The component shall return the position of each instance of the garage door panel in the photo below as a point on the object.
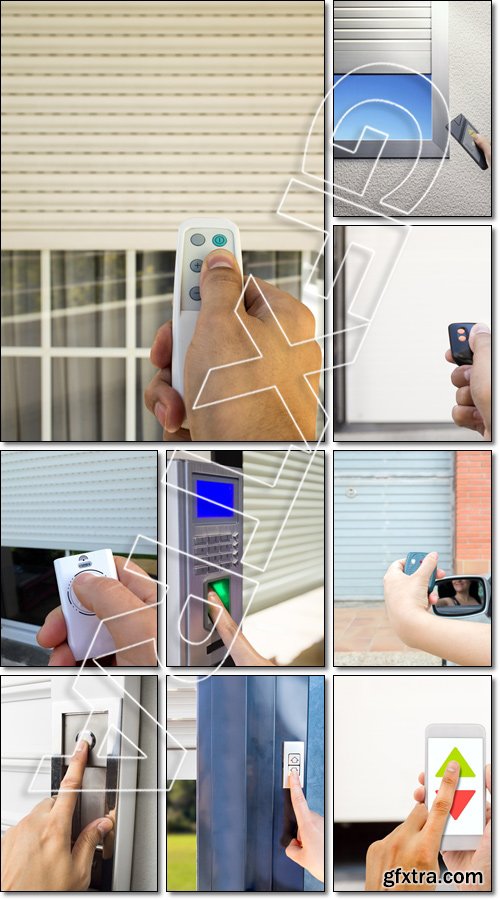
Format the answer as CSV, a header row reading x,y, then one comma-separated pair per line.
x,y
379,519
440,269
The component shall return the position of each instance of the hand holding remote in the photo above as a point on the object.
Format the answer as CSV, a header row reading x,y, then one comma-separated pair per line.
x,y
473,383
257,411
106,597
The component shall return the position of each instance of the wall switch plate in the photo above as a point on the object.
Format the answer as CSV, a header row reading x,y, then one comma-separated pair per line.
x,y
293,760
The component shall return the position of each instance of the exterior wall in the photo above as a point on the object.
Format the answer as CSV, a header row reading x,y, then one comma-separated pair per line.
x,y
473,512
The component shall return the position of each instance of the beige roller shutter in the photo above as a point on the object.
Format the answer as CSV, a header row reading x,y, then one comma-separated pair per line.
x,y
296,564
79,499
122,119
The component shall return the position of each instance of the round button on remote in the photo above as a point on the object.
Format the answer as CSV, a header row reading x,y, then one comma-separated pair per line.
x,y
197,239
73,599
194,293
195,265
220,240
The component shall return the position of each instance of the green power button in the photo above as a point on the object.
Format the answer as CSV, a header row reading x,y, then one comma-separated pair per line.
x,y
219,240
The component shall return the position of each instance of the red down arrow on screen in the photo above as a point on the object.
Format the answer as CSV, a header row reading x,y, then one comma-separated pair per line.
x,y
460,801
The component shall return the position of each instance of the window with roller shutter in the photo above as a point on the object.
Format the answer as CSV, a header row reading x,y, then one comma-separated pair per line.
x,y
56,502
119,121
390,78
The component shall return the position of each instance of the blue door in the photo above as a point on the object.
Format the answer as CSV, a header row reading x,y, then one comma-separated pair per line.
x,y
244,815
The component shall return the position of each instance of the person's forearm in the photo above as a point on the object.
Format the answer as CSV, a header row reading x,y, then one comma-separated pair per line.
x,y
464,643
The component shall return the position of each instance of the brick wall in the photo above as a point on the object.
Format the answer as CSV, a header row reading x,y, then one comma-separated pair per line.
x,y
473,512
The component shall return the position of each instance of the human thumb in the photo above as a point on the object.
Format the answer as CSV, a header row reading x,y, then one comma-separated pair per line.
x,y
427,571
86,844
112,602
295,851
480,338
221,283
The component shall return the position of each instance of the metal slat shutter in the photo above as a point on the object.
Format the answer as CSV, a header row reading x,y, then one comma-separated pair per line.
x,y
181,730
375,31
122,119
297,564
387,503
113,491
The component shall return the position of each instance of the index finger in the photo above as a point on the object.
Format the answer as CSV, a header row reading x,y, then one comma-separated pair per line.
x,y
440,809
161,351
460,377
136,580
299,802
71,784
53,631
227,628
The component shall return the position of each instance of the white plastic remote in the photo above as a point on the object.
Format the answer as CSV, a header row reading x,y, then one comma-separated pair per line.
x,y
196,238
80,622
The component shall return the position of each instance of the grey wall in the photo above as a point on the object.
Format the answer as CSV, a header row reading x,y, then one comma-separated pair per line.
x,y
462,188
144,863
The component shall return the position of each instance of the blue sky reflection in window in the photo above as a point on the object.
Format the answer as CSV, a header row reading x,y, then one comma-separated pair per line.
x,y
412,92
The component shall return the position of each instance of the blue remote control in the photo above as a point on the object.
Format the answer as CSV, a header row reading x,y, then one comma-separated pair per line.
x,y
413,562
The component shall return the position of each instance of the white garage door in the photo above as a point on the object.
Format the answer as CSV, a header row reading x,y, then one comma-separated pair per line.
x,y
30,705
443,276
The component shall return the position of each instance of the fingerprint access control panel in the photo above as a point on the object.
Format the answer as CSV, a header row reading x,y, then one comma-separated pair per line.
x,y
204,520
293,761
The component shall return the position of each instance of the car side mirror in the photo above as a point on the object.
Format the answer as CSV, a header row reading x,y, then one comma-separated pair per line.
x,y
461,596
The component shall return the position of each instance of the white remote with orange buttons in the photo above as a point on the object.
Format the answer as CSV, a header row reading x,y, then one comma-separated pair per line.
x,y
197,237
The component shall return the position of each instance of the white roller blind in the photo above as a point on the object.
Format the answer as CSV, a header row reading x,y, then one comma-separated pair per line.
x,y
122,119
181,730
297,563
381,31
79,500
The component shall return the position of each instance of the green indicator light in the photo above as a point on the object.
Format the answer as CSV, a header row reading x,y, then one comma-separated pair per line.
x,y
222,589
220,240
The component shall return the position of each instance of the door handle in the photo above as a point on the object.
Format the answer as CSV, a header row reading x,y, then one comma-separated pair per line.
x,y
98,795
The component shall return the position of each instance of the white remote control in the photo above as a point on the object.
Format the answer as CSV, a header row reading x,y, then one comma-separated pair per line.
x,y
81,623
196,238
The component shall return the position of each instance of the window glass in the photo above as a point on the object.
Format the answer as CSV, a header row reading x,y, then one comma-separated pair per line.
x,y
412,92
154,289
148,428
20,298
87,298
21,399
88,399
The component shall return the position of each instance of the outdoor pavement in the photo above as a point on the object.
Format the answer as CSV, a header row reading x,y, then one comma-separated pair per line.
x,y
364,637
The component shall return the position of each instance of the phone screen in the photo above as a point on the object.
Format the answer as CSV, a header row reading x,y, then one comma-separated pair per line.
x,y
467,812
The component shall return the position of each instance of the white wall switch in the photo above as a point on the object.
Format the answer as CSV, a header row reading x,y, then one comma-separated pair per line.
x,y
293,760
